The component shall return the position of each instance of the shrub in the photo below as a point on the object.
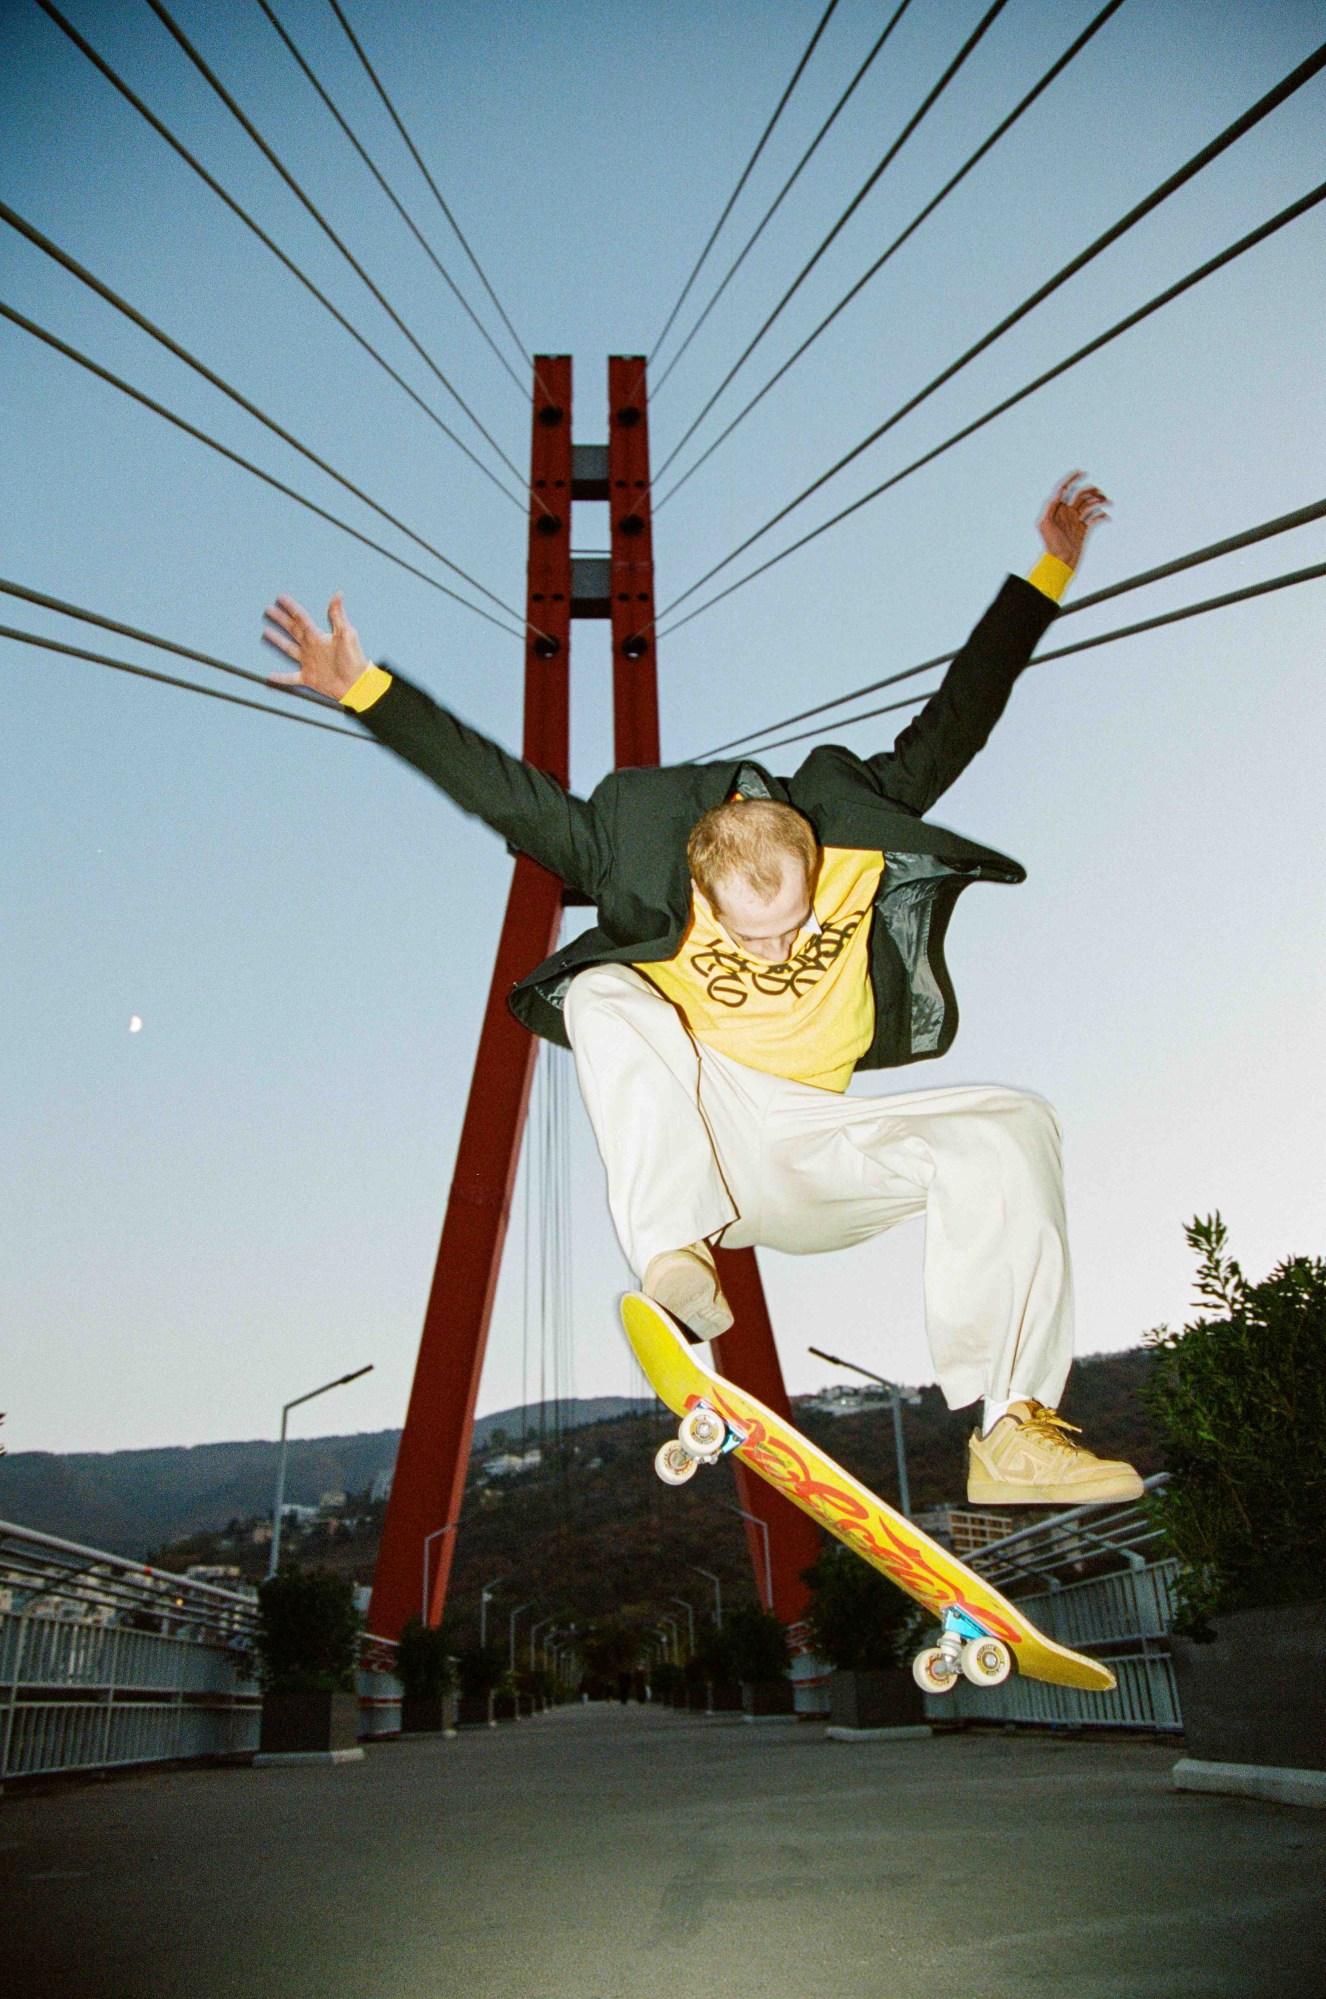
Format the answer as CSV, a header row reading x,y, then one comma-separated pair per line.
x,y
858,1620
308,1632
1241,1398
480,1672
758,1645
424,1665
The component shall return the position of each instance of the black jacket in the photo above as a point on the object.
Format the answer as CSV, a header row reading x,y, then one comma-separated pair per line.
x,y
624,848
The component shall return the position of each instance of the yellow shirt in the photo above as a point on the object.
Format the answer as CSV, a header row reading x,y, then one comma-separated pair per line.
x,y
811,1018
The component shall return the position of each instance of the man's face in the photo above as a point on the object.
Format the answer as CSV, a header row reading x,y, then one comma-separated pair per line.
x,y
767,927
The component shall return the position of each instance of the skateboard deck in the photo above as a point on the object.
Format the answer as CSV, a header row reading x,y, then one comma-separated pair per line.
x,y
775,1451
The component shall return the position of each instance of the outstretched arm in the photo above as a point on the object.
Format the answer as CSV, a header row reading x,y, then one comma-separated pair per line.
x,y
531,810
938,744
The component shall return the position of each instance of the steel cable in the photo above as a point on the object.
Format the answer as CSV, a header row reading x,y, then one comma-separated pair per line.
x,y
433,188
389,191
747,170
114,78
977,34
1248,538
210,76
1242,595
204,437
788,185
104,291
1005,125
1195,277
173,680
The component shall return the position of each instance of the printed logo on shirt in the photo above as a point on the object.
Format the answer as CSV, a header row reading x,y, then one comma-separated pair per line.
x,y
730,977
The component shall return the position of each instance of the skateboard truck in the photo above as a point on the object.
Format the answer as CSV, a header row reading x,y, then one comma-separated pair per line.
x,y
965,1649
702,1438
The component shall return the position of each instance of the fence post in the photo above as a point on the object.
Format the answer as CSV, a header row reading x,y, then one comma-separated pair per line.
x,y
12,1708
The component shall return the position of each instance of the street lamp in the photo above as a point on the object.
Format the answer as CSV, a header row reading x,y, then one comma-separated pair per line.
x,y
512,1630
718,1593
429,1539
484,1595
763,1526
536,1626
339,1382
666,1617
690,1616
896,1396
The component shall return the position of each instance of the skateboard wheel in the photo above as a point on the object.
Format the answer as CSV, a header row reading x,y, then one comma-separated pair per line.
x,y
932,1671
674,1464
703,1433
987,1662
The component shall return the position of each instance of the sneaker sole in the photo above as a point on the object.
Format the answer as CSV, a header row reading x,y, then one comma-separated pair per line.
x,y
988,1492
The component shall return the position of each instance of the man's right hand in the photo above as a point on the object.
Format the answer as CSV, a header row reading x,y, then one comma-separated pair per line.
x,y
328,662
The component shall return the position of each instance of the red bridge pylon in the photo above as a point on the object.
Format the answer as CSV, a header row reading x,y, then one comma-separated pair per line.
x,y
424,1511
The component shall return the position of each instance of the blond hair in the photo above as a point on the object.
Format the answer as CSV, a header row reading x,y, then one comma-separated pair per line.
x,y
753,839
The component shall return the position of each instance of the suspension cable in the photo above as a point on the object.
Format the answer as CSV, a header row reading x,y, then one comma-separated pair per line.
x,y
8,588
269,479
389,191
1248,538
1005,125
788,185
1152,305
172,680
114,78
746,172
977,34
86,277
210,76
1287,581
433,188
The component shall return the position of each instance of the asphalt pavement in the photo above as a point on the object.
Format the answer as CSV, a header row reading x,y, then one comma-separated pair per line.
x,y
603,1852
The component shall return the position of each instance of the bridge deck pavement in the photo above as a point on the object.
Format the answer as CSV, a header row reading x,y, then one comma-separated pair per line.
x,y
620,1853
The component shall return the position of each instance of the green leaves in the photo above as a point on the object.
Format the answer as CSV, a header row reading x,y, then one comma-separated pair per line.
x,y
1241,1399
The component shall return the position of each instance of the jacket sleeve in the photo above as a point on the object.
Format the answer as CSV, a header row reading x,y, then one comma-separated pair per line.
x,y
938,744
532,811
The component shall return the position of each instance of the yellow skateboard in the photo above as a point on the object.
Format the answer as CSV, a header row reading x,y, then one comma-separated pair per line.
x,y
983,1635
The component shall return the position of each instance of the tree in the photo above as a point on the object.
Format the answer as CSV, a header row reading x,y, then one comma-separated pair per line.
x,y
424,1665
1241,1398
858,1620
758,1645
308,1632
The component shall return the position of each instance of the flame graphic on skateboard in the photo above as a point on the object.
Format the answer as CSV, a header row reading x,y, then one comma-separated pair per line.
x,y
983,1634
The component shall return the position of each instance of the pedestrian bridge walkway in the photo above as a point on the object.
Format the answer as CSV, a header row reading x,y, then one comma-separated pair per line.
x,y
603,1852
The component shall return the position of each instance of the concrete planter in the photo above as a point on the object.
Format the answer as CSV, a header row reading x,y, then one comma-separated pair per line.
x,y
1253,1695
475,1710
888,1699
308,1724
768,1697
427,1714
724,1698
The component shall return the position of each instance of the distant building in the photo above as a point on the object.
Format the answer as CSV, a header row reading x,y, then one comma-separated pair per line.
x,y
212,1572
298,1515
844,1401
331,1502
508,1463
381,1486
962,1529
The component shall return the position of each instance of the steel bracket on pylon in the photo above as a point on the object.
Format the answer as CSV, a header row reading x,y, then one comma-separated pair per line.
x,y
423,1513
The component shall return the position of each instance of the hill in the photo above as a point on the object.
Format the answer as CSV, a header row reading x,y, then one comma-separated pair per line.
x,y
130,1501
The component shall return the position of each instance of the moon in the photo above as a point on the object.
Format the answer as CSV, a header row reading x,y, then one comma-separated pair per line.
x,y
135,1024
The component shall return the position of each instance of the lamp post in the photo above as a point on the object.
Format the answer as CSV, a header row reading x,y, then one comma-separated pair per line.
x,y
429,1539
511,1626
536,1626
718,1593
484,1595
756,1521
896,1396
666,1617
339,1382
690,1617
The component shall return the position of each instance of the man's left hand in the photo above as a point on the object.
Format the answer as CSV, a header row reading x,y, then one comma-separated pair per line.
x,y
1070,514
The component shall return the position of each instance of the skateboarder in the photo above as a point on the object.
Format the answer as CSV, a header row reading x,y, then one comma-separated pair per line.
x,y
761,939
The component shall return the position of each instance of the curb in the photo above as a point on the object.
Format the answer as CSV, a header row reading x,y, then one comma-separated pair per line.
x,y
1252,1780
266,1760
906,1732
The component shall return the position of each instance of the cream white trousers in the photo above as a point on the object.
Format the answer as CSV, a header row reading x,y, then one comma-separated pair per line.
x,y
699,1146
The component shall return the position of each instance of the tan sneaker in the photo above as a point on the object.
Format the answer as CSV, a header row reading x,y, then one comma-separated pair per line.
x,y
1029,1459
685,1283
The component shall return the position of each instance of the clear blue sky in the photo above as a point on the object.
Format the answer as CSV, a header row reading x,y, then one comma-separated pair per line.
x,y
206,1217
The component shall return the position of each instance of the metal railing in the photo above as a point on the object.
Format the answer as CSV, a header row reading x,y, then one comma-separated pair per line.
x,y
1094,1578
105,1662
